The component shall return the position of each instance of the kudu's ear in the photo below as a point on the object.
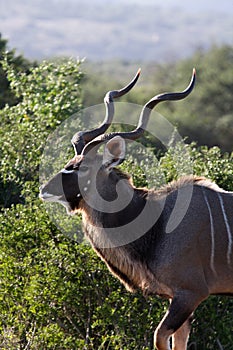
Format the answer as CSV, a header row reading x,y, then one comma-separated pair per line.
x,y
114,152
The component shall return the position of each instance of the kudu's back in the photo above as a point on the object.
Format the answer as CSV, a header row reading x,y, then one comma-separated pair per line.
x,y
200,247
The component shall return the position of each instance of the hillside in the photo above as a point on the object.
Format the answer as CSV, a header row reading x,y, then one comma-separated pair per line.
x,y
101,30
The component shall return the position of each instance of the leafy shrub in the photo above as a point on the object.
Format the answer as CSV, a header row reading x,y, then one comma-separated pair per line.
x,y
55,293
48,93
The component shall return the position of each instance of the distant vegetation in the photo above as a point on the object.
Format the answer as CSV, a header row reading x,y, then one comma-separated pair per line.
x,y
19,63
54,292
206,116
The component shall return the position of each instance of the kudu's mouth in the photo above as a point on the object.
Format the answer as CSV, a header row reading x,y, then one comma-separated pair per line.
x,y
48,197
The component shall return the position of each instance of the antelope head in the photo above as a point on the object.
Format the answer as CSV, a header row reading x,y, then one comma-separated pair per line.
x,y
92,176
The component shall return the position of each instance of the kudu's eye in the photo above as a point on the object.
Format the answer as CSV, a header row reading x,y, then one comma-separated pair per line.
x,y
83,168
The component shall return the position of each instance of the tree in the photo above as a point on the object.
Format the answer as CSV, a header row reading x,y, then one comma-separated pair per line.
x,y
46,94
205,116
7,96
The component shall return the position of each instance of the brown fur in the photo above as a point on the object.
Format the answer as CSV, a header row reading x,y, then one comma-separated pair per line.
x,y
185,181
177,266
132,273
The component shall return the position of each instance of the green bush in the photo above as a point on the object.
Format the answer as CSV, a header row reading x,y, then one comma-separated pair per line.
x,y
48,93
54,292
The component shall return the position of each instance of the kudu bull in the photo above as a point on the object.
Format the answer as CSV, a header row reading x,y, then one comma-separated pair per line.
x,y
127,226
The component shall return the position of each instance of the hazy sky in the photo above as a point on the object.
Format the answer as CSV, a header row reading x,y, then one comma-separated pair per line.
x,y
191,5
46,28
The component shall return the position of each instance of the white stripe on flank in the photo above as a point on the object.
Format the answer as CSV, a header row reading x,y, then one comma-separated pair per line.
x,y
211,232
228,229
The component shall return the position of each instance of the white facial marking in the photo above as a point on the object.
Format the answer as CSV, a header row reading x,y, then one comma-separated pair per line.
x,y
78,195
48,197
228,229
65,171
211,232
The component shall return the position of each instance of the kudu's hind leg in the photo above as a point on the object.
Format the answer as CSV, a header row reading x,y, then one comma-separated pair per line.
x,y
181,336
178,315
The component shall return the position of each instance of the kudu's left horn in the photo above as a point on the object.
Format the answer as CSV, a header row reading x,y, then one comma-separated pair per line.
x,y
81,138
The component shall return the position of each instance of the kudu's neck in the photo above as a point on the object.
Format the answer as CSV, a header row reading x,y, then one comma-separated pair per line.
x,y
114,202
118,238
